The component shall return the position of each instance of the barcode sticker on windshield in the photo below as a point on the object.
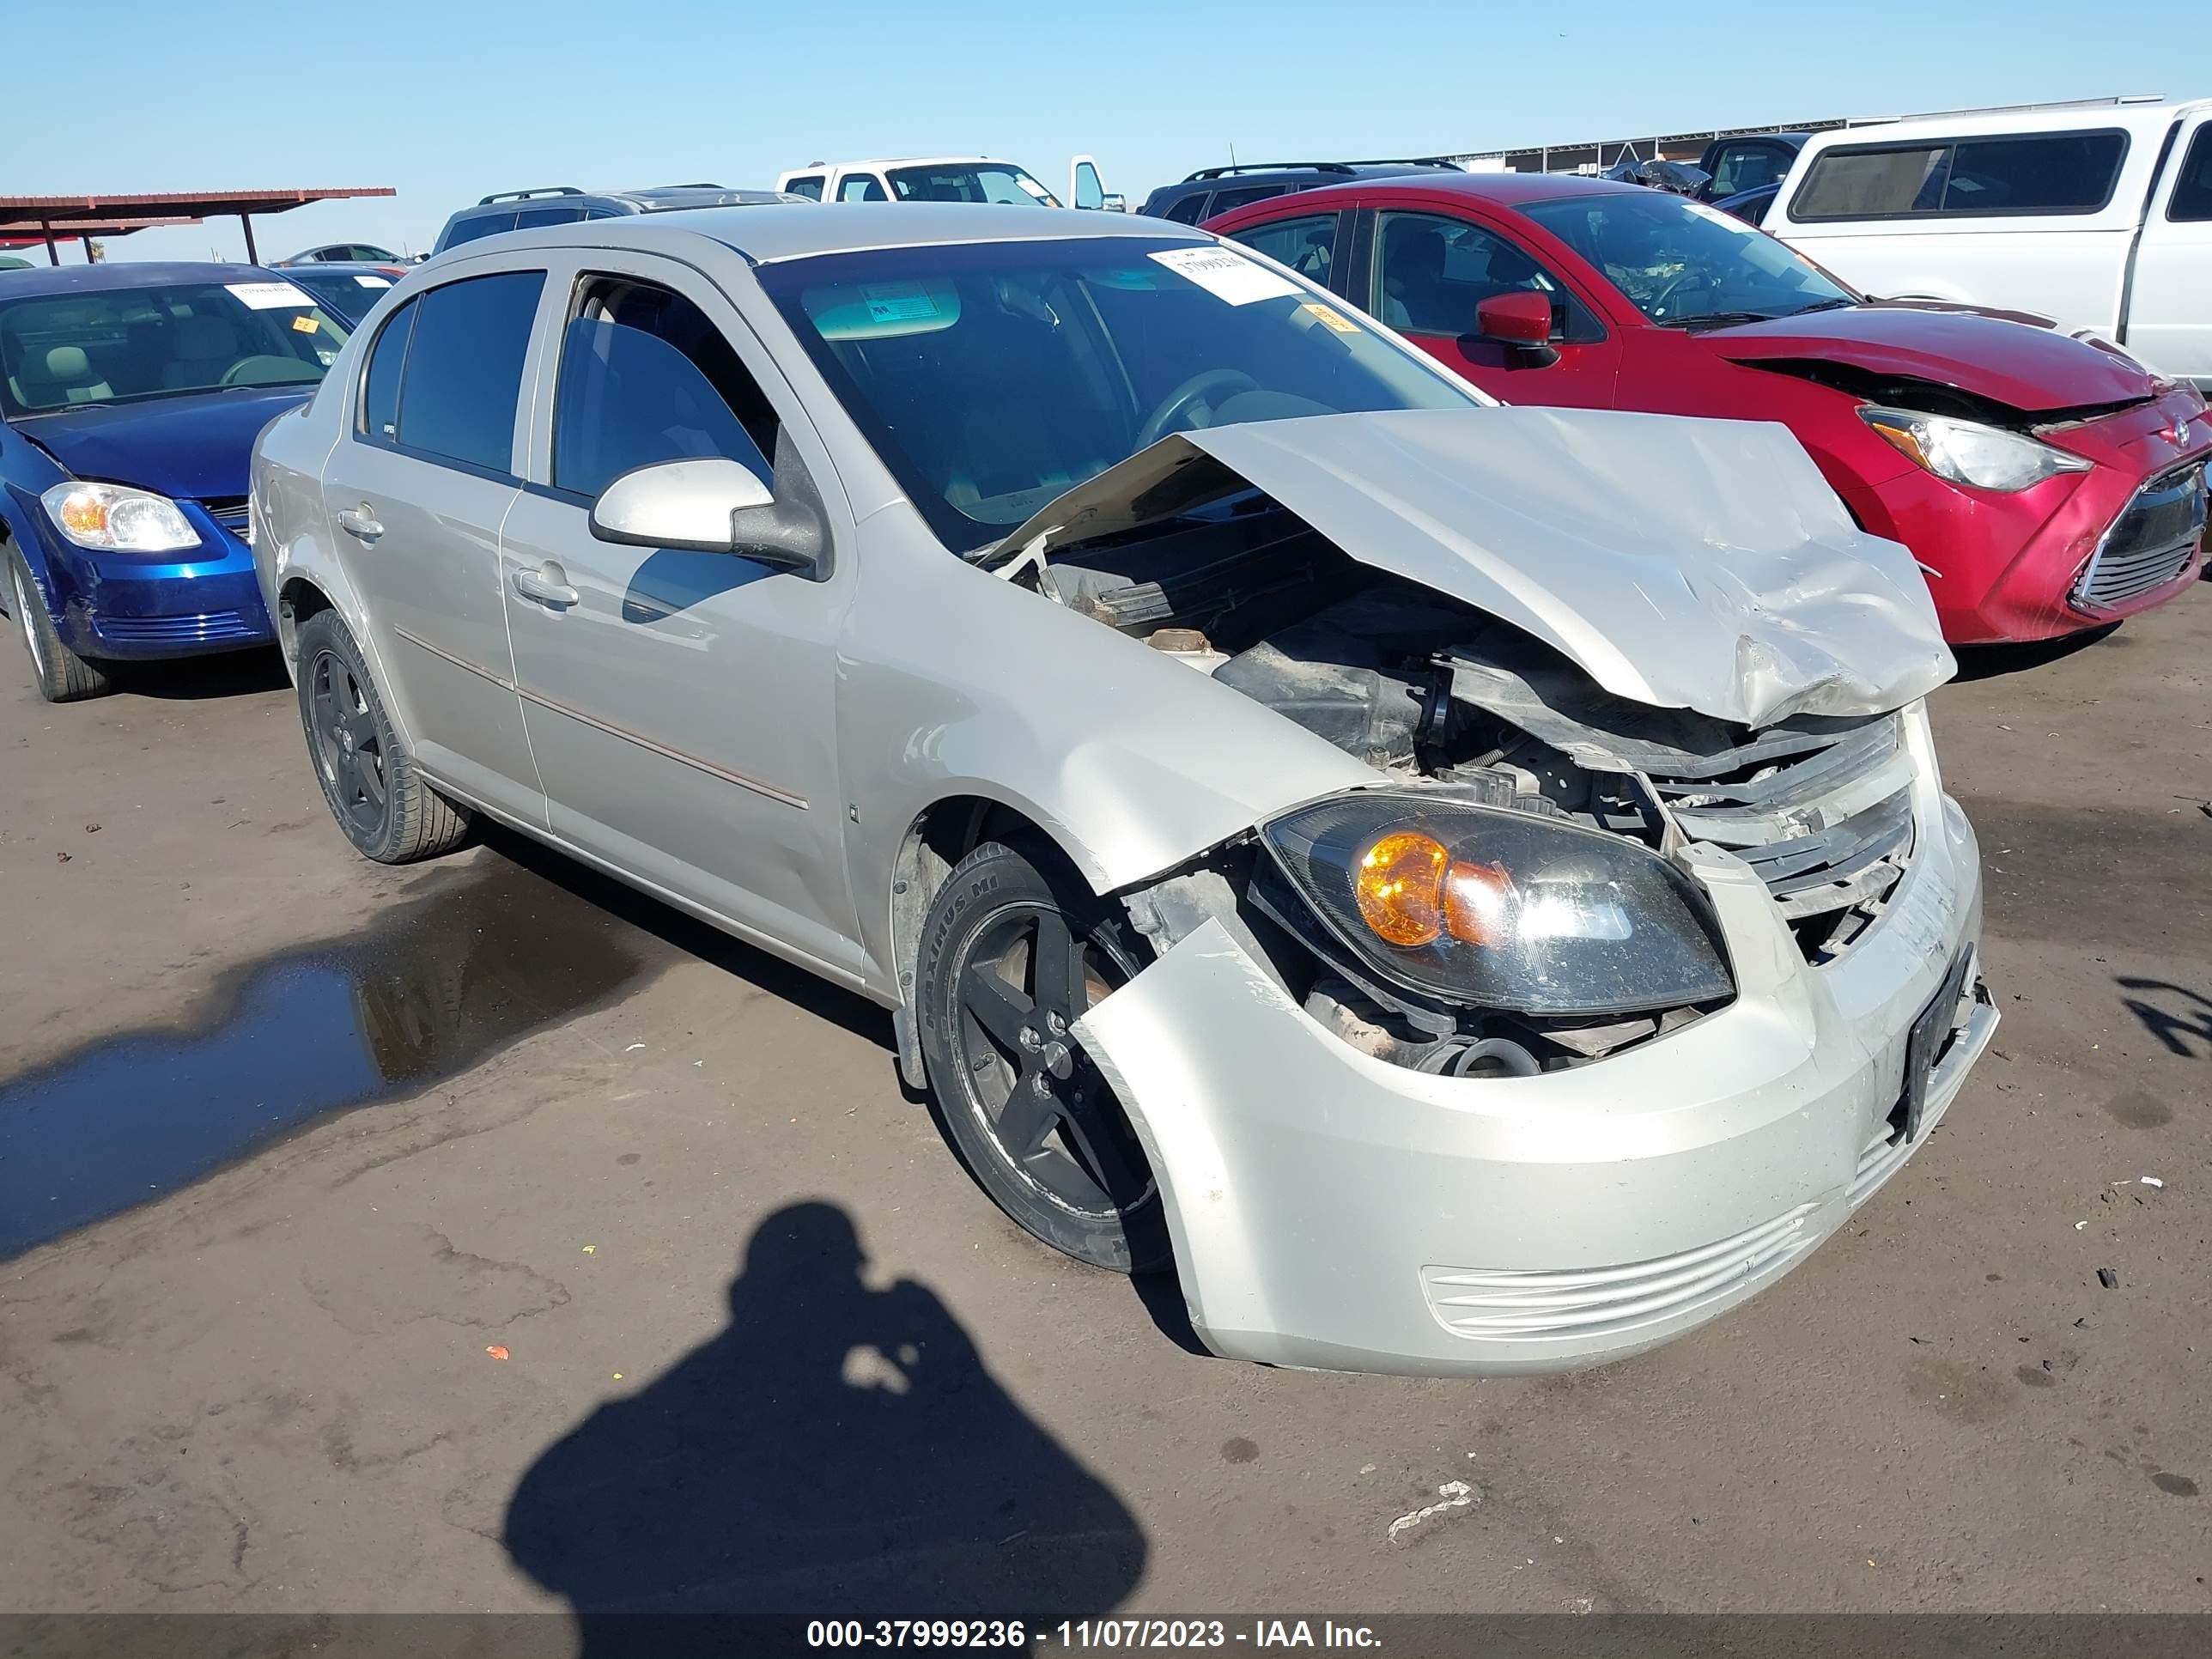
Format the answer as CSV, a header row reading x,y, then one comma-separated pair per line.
x,y
1228,276
268,296
899,302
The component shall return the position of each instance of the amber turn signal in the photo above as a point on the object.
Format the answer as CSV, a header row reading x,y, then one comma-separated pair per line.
x,y
1399,887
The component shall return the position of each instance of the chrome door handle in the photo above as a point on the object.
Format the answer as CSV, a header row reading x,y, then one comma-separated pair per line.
x,y
359,523
545,586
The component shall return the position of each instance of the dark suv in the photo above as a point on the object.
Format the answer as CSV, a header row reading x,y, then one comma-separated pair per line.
x,y
1216,190
564,204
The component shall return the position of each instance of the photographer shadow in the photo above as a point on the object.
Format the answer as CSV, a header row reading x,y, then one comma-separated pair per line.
x,y
837,1450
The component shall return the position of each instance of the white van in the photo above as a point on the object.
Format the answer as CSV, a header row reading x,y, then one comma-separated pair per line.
x,y
2097,215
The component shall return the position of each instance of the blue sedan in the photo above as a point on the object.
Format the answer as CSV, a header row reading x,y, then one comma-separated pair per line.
x,y
129,399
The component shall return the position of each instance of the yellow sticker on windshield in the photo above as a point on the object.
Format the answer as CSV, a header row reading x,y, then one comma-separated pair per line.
x,y
305,325
1329,318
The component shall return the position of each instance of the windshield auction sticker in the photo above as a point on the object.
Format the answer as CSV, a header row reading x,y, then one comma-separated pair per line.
x,y
1228,276
268,296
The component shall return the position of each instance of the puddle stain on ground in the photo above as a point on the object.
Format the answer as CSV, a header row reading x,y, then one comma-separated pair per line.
x,y
430,988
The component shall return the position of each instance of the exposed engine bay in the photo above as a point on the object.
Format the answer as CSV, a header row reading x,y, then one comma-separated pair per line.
x,y
1438,695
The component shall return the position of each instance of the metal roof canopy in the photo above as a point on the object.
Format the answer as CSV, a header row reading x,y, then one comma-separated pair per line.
x,y
83,216
85,230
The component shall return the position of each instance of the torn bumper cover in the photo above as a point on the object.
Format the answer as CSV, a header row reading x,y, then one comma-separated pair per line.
x,y
1332,1210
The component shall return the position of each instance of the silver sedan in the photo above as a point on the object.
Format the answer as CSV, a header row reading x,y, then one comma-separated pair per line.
x,y
1467,889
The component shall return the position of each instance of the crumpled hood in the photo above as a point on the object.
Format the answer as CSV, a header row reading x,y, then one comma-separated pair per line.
x,y
2012,362
197,447
1681,563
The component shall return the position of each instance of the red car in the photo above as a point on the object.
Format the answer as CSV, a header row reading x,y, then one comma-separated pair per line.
x,y
2044,484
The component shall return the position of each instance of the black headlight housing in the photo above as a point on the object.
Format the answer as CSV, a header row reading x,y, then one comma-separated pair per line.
x,y
1496,909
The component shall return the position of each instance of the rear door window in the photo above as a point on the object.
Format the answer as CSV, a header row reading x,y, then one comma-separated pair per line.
x,y
464,369
2192,190
2045,173
1744,167
1226,200
553,215
1307,246
645,376
486,224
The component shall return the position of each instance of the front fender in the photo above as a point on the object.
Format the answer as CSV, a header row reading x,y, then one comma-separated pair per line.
x,y
955,682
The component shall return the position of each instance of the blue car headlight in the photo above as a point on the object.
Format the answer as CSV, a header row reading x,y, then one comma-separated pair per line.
x,y
1497,908
117,519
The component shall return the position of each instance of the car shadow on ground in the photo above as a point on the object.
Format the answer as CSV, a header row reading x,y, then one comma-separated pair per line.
x,y
836,1450
1160,1293
1984,662
202,679
681,932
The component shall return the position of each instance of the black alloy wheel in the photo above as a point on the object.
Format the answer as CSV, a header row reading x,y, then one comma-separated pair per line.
x,y
349,749
1011,960
382,803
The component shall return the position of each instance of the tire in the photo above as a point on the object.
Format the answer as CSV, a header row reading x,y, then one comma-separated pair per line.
x,y
1030,1115
368,778
61,676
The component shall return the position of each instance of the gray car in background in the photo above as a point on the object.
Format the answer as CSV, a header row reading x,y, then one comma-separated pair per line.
x,y
565,204
1468,889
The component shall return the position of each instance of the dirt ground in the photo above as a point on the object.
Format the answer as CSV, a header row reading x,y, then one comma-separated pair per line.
x,y
481,1237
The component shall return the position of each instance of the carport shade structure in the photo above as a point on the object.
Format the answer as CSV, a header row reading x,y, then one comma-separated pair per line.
x,y
13,237
50,216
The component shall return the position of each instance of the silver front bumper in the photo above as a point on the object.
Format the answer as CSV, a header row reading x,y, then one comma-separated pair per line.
x,y
1330,1210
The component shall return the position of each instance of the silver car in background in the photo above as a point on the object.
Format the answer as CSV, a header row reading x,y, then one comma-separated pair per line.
x,y
1469,887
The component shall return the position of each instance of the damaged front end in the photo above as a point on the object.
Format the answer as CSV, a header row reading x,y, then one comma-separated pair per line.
x,y
1622,957
1291,577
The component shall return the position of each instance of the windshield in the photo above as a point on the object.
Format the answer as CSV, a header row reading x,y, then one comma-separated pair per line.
x,y
970,181
345,294
1684,264
993,377
135,344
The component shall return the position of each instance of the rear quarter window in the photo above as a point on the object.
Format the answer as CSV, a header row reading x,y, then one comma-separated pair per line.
x,y
2014,175
464,371
483,224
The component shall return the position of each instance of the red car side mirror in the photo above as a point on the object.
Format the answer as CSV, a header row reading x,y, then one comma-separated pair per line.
x,y
1521,319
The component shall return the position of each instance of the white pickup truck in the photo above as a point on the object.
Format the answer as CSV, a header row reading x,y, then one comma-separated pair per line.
x,y
2096,215
945,179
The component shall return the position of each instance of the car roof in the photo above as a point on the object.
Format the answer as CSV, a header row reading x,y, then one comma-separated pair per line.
x,y
105,278
906,162
797,230
1231,177
1509,189
2071,117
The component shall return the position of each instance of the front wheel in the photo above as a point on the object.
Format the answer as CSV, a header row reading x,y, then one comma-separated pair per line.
x,y
368,778
61,676
1014,951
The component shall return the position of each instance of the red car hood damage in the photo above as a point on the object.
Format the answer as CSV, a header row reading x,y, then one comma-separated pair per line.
x,y
2033,370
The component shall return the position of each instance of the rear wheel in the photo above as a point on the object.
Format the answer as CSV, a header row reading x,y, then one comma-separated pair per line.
x,y
61,676
387,811
1014,951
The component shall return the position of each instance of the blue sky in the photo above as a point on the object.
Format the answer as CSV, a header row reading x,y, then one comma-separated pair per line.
x,y
448,102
